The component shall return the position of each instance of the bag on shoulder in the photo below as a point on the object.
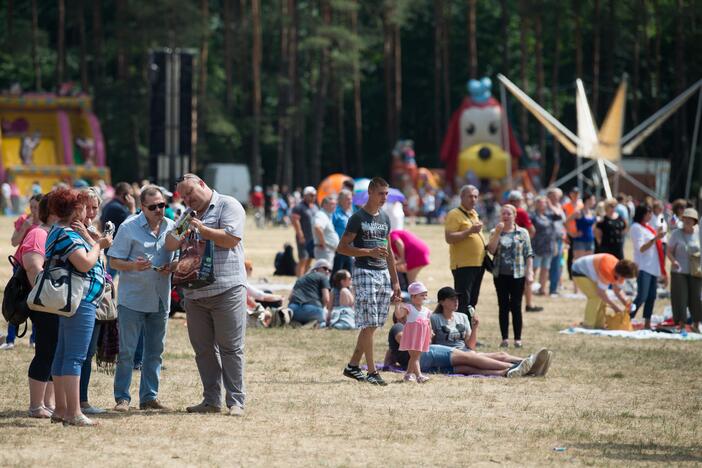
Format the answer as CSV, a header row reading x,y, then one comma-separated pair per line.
x,y
106,311
195,268
695,266
57,290
14,299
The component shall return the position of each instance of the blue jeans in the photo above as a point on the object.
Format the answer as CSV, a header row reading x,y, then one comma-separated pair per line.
x,y
304,313
139,352
87,368
74,338
131,324
554,272
646,285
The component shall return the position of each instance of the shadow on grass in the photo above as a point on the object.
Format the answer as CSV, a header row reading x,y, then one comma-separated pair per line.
x,y
645,453
16,418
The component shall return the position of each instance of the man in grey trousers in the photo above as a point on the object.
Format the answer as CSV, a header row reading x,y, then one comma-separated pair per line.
x,y
216,314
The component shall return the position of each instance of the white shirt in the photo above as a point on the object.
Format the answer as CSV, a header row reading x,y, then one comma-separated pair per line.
x,y
648,260
331,238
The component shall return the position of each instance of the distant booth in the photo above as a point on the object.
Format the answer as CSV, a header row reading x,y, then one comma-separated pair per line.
x,y
48,139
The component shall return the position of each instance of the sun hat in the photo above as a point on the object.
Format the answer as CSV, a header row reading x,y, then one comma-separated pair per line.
x,y
416,288
309,190
691,213
321,263
515,195
446,292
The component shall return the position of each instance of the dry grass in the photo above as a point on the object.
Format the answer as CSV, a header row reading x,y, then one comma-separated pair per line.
x,y
607,401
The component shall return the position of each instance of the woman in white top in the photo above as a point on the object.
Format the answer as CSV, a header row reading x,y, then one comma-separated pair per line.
x,y
648,256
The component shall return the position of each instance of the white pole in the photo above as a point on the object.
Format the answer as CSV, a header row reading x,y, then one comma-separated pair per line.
x,y
693,150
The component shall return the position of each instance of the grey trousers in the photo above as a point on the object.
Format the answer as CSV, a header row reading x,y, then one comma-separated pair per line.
x,y
685,293
217,327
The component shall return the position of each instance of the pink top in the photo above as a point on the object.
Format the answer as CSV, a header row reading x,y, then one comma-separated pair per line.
x,y
20,221
34,242
416,250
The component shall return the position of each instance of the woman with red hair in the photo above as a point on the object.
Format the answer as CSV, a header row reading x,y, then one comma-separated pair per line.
x,y
65,245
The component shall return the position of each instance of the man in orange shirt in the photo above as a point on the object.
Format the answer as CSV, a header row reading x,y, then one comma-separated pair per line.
x,y
594,274
570,207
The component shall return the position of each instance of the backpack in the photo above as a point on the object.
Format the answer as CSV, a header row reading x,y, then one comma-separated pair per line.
x,y
285,263
14,300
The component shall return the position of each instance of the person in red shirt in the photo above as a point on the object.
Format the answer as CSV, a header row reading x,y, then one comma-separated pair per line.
x,y
523,220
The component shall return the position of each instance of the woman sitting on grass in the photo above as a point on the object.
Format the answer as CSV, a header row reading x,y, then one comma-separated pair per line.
x,y
342,315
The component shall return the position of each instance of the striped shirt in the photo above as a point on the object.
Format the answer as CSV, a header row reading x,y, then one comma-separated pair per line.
x,y
60,244
224,212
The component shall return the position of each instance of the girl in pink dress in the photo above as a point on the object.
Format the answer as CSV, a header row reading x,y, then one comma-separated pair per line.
x,y
416,335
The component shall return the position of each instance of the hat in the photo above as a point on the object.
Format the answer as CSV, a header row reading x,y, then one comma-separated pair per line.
x,y
416,288
574,189
309,190
515,195
691,213
321,263
446,292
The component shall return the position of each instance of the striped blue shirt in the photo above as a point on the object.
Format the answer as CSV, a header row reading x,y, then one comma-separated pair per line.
x,y
62,242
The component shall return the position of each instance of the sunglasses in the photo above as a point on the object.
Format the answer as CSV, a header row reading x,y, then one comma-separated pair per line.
x,y
159,206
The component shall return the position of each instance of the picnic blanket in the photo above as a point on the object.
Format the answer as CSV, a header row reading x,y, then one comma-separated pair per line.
x,y
636,335
398,370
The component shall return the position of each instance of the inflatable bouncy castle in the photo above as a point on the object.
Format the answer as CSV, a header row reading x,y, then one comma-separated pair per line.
x,y
479,144
47,139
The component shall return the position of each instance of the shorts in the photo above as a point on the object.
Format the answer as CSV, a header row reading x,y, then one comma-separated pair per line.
x,y
305,249
583,245
373,293
542,261
437,359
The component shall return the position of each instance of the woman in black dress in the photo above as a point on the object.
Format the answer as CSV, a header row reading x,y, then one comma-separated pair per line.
x,y
610,230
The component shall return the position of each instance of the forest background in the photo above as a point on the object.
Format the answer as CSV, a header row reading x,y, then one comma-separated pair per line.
x,y
298,89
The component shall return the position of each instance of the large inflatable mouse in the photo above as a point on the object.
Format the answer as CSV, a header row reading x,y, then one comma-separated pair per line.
x,y
474,141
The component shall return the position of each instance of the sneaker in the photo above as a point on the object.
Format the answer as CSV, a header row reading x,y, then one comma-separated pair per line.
x,y
235,410
90,409
203,408
539,359
7,346
354,372
81,420
555,294
422,378
546,364
521,369
534,308
409,377
376,379
122,406
154,405
517,343
504,344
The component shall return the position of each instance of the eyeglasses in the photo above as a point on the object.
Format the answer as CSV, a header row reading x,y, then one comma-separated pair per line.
x,y
156,206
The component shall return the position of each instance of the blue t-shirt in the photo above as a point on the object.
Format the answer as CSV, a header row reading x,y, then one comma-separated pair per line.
x,y
340,219
585,226
62,242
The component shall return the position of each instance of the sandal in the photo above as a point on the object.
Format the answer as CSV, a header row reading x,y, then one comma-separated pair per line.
x,y
57,419
40,412
421,378
81,420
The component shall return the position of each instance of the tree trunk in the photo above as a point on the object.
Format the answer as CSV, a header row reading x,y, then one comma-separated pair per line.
x,y
523,33
680,145
578,40
228,51
319,104
504,24
202,78
61,43
611,41
446,64
35,45
292,93
596,59
538,52
389,63
472,41
554,94
243,66
397,42
658,81
637,62
283,93
98,62
83,46
357,110
341,127
121,39
256,56
438,38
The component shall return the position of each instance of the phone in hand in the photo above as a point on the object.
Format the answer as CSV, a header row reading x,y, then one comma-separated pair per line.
x,y
109,228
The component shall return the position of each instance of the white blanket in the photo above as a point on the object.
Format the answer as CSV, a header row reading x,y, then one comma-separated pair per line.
x,y
637,335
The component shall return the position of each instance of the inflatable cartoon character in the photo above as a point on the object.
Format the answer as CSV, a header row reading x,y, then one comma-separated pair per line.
x,y
474,143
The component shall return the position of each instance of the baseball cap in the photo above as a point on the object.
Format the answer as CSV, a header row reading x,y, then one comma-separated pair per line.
x,y
515,195
321,263
416,288
446,292
309,190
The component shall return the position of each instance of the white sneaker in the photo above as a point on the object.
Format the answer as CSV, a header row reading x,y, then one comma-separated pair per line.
x,y
523,368
7,346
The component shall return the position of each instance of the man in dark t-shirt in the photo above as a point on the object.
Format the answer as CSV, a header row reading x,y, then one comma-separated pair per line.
x,y
302,216
374,276
117,210
310,298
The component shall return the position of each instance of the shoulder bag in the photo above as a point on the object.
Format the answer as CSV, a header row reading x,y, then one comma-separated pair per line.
x,y
14,299
195,269
106,310
695,267
57,290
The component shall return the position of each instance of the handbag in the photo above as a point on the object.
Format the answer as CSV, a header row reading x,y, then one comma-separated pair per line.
x,y
106,310
695,267
195,268
14,299
57,290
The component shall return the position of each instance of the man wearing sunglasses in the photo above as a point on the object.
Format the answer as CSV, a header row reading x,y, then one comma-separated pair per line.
x,y
144,296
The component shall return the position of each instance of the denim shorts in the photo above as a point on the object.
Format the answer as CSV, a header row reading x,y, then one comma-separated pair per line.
x,y
583,245
437,359
542,261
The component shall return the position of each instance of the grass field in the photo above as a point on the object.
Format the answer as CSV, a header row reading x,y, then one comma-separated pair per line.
x,y
606,401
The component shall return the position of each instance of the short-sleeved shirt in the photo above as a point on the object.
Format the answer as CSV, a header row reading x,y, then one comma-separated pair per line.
x,y
306,214
340,219
585,225
647,261
513,249
34,242
612,236
371,231
599,268
116,212
308,289
224,212
143,290
623,212
522,219
452,332
569,208
61,242
543,241
324,222
470,251
682,246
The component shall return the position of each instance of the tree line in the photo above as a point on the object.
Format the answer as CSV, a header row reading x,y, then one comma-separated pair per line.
x,y
301,88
